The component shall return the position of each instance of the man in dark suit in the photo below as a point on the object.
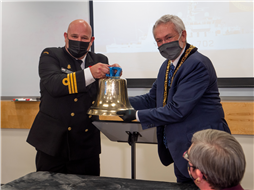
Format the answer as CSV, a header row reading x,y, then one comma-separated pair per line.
x,y
62,133
183,99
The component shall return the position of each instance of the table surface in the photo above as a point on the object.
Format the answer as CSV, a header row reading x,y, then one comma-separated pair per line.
x,y
52,181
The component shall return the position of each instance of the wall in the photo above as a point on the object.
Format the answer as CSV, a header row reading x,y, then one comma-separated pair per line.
x,y
28,28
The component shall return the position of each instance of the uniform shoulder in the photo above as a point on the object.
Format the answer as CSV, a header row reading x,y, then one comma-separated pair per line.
x,y
52,51
196,58
98,57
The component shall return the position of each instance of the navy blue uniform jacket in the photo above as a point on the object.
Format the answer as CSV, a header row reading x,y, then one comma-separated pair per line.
x,y
62,127
193,104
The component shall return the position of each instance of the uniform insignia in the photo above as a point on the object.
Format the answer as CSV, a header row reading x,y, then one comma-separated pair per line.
x,y
69,66
65,70
46,52
71,82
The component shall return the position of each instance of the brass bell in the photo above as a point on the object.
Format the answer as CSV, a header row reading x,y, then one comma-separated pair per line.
x,y
112,97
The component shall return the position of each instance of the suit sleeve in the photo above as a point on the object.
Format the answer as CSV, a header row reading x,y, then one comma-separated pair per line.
x,y
54,81
190,88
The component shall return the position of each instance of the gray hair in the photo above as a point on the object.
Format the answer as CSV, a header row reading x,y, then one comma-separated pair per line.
x,y
179,25
219,156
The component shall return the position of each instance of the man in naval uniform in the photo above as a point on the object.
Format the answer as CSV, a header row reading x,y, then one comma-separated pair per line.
x,y
62,133
184,98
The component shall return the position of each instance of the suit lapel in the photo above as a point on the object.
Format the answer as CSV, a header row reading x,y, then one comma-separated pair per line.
x,y
70,64
160,84
89,60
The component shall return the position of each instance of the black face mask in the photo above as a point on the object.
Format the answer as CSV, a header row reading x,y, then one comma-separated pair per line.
x,y
77,48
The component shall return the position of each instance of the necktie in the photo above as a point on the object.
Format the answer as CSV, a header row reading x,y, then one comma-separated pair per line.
x,y
78,64
170,74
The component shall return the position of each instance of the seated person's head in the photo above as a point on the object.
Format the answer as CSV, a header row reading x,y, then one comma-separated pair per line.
x,y
216,160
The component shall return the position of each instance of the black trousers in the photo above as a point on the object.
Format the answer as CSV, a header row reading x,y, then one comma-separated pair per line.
x,y
88,166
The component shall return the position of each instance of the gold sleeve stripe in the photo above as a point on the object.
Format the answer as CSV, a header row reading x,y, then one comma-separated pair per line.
x,y
75,83
71,82
69,85
72,85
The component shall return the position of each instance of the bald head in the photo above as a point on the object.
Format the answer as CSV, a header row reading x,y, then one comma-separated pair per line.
x,y
78,30
80,26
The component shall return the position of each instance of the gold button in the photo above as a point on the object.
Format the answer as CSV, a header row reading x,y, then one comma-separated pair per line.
x,y
90,116
72,114
86,130
76,99
93,102
69,128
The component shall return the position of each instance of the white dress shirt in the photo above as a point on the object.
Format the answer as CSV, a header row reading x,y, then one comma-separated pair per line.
x,y
88,75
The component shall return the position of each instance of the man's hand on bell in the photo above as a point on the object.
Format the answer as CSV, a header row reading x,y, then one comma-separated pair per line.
x,y
116,65
99,70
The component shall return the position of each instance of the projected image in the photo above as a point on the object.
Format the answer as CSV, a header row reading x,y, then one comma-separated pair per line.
x,y
228,26
220,30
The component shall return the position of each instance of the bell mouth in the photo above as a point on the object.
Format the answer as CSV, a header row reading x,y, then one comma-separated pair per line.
x,y
101,112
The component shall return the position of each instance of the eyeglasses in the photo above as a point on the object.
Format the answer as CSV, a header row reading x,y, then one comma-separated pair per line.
x,y
166,39
186,157
189,166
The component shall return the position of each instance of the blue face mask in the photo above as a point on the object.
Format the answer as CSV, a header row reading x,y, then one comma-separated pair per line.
x,y
171,50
